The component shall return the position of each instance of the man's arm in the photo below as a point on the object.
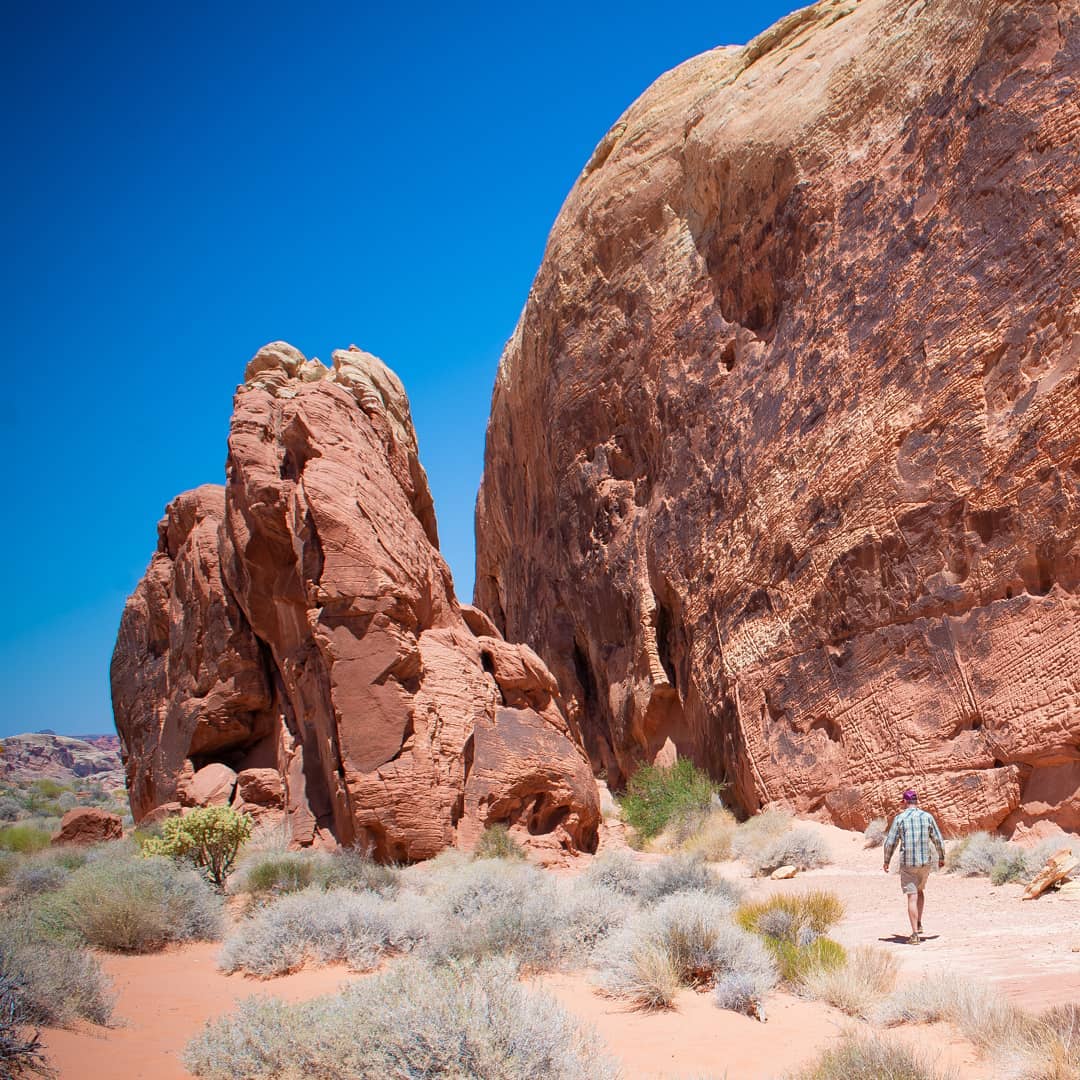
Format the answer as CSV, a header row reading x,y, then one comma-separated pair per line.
x,y
936,840
892,840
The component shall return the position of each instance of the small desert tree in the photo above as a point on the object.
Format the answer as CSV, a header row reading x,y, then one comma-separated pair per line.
x,y
210,836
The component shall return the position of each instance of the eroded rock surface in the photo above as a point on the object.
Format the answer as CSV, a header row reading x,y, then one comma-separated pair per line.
x,y
783,466
296,648
88,825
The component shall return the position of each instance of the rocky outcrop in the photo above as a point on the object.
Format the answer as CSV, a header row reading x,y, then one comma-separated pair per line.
x,y
783,465
67,760
296,648
88,825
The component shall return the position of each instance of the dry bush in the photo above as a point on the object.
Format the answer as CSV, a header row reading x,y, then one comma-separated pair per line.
x,y
350,868
975,855
416,1020
758,831
590,914
616,870
713,836
800,847
325,926
869,1057
875,832
133,904
685,873
699,942
51,983
856,986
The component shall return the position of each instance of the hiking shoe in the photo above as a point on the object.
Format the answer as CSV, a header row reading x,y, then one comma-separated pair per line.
x,y
914,940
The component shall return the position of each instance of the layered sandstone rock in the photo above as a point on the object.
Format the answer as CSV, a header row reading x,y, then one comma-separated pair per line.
x,y
296,648
783,466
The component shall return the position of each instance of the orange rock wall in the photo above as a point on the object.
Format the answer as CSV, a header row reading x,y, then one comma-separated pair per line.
x,y
783,465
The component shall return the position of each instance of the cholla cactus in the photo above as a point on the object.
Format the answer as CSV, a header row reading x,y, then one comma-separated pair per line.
x,y
211,837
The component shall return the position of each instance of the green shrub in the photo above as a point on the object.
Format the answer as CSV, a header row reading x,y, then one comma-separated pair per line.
x,y
416,1020
274,874
210,836
796,962
24,838
496,843
132,905
655,795
816,910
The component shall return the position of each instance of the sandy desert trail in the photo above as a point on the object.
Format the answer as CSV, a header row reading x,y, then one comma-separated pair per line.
x,y
974,928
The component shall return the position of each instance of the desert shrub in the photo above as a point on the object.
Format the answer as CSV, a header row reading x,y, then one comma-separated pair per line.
x,y
417,1020
1035,858
685,873
868,1057
616,870
275,874
656,794
974,855
9,862
493,907
856,986
32,878
134,905
694,932
10,809
713,835
350,868
1049,1047
324,926
760,830
797,961
1013,867
590,913
21,1052
802,848
209,836
785,915
875,832
741,993
496,843
24,838
50,983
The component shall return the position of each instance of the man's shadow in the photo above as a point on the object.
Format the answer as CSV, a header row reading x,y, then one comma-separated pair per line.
x,y
902,939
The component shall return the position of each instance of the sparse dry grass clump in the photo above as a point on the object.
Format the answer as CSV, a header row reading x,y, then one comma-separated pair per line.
x,y
270,872
21,1053
869,1057
416,1020
712,835
854,987
687,940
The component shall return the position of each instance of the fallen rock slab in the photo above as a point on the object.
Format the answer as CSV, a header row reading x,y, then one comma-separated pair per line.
x,y
87,825
1058,867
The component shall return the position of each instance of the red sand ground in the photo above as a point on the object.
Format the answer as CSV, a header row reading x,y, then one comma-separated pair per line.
x,y
1025,948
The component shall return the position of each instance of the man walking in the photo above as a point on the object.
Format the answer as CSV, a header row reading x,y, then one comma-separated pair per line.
x,y
915,830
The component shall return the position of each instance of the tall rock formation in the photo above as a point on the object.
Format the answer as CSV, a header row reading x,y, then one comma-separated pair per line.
x,y
783,465
296,648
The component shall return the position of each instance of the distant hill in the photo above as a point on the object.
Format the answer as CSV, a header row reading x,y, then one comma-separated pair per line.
x,y
64,758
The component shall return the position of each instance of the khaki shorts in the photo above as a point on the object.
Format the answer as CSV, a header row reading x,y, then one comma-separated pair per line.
x,y
913,878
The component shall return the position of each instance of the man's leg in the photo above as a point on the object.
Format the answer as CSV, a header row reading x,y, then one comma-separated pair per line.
x,y
921,904
914,910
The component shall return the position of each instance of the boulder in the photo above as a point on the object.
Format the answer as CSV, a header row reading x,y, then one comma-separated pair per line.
x,y
296,645
88,825
212,785
781,469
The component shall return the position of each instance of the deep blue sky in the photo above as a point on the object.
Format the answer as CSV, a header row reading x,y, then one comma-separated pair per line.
x,y
184,183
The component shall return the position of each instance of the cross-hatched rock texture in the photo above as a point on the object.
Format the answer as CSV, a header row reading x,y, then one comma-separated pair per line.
x,y
783,464
296,648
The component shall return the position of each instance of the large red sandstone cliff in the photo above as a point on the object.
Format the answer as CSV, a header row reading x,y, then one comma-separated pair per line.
x,y
295,647
783,465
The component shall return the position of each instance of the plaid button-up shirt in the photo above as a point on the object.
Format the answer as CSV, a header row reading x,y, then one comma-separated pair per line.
x,y
915,830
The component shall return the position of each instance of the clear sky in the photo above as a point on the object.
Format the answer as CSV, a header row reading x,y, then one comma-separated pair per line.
x,y
183,183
